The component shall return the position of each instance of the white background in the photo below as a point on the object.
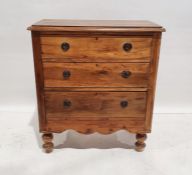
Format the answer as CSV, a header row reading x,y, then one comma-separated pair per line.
x,y
168,147
174,85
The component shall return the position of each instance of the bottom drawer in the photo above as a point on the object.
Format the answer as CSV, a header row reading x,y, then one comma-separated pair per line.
x,y
94,105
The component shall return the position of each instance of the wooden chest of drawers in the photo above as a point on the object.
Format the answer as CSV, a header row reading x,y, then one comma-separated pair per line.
x,y
95,76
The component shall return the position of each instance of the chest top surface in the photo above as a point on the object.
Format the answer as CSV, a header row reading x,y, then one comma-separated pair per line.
x,y
95,25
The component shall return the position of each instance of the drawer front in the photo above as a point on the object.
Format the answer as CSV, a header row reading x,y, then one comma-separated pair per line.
x,y
96,74
91,49
95,104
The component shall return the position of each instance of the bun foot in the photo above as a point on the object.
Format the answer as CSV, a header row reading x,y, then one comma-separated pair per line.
x,y
140,145
48,144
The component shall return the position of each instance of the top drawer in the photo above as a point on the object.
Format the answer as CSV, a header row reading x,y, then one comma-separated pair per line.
x,y
96,49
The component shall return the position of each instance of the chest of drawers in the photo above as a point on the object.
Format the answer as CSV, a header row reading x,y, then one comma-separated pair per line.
x,y
95,76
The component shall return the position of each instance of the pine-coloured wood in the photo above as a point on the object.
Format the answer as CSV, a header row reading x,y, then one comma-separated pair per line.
x,y
48,144
152,79
102,79
96,25
97,48
99,125
96,74
140,143
95,104
39,79
95,89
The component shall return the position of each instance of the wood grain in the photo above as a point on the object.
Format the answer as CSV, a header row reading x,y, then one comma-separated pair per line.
x,y
152,80
48,144
88,126
95,97
95,25
97,48
95,104
39,79
96,74
98,89
140,143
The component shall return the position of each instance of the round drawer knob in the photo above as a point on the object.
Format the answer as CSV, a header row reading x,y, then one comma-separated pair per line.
x,y
124,104
67,103
65,46
66,74
127,47
125,74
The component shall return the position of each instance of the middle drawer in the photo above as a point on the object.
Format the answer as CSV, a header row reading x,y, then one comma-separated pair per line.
x,y
96,74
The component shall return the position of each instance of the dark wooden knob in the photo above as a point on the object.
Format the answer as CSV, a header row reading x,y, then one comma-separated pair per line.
x,y
127,47
124,104
65,46
67,103
66,74
125,74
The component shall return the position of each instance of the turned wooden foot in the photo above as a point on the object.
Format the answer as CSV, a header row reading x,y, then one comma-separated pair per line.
x,y
48,144
140,145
